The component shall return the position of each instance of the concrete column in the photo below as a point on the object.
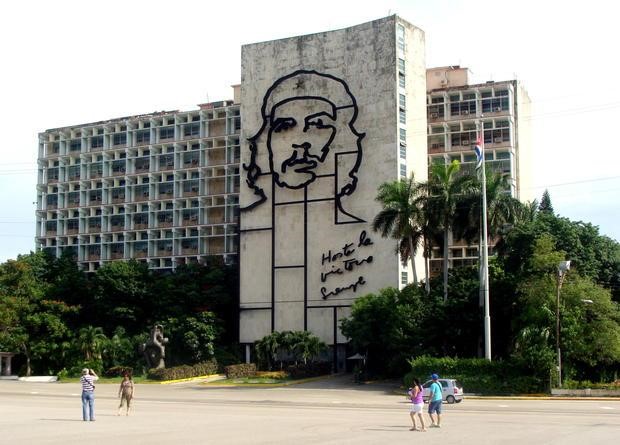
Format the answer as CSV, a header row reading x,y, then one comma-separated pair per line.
x,y
7,366
247,354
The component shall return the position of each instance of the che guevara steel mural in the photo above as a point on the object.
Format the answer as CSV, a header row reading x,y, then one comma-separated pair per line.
x,y
307,155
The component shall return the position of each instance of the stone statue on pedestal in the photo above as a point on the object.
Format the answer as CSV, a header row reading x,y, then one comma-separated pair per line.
x,y
154,349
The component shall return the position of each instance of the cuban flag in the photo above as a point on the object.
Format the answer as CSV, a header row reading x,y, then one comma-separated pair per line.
x,y
479,154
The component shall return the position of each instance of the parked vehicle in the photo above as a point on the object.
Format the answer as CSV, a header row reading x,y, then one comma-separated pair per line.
x,y
452,390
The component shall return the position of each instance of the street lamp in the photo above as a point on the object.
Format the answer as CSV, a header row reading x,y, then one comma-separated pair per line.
x,y
563,268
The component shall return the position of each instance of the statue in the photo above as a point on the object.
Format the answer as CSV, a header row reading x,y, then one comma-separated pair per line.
x,y
154,349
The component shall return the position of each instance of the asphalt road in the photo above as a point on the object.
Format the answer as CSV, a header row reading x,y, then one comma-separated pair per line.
x,y
332,411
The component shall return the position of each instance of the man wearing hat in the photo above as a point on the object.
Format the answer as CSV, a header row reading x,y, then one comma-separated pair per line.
x,y
88,394
435,397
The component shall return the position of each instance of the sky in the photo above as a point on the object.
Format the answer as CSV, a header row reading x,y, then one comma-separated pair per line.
x,y
72,62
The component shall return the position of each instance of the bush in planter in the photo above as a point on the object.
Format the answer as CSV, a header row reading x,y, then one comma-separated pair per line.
x,y
118,371
310,369
184,371
240,370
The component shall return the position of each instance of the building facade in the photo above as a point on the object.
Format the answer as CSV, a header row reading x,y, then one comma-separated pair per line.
x,y
456,111
327,118
160,188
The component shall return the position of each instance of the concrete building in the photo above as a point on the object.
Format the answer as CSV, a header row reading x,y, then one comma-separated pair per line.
x,y
160,187
327,118
455,109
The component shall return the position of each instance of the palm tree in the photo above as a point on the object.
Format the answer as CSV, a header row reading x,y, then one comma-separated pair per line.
x,y
400,218
445,190
502,209
90,341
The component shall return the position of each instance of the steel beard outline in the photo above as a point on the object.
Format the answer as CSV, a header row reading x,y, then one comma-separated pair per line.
x,y
345,264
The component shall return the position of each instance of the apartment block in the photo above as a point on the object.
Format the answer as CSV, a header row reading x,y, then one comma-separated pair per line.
x,y
162,188
456,111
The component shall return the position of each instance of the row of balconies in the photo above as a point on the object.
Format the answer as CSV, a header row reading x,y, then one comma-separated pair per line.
x,y
142,137
128,224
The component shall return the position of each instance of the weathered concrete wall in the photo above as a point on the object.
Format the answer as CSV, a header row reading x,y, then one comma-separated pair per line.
x,y
317,144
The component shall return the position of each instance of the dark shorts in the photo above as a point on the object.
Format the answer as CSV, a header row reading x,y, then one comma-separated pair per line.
x,y
434,407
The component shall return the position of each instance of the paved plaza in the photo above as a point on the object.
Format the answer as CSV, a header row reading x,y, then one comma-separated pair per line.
x,y
332,411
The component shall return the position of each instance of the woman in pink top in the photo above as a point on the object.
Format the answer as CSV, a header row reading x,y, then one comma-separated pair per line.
x,y
417,403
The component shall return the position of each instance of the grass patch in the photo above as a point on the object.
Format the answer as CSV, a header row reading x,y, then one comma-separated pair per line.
x,y
108,380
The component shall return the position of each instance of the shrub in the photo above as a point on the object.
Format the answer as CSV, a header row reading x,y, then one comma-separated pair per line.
x,y
240,370
480,375
118,371
184,371
311,369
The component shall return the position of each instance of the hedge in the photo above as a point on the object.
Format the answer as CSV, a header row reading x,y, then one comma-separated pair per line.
x,y
311,369
480,376
184,371
118,371
240,370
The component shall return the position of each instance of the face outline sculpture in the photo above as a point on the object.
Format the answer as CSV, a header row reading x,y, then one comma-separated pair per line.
x,y
307,123
300,133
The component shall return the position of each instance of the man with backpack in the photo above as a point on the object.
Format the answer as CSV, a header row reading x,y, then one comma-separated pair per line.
x,y
435,397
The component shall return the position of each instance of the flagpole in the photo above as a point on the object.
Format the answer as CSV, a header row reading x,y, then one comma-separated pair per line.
x,y
485,252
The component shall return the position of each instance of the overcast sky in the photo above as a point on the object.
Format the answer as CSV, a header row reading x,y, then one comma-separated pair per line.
x,y
71,62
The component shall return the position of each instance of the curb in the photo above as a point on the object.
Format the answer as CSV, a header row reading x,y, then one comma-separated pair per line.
x,y
265,385
202,377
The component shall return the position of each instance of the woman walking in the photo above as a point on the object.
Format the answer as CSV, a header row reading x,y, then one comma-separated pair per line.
x,y
125,392
417,403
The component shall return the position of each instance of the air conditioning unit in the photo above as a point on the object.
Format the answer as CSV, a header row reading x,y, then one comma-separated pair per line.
x,y
435,146
464,112
434,115
465,142
498,140
498,109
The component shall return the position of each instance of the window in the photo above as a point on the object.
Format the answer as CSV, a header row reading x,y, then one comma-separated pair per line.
x,y
402,116
96,142
404,278
403,170
401,80
119,139
75,145
401,65
402,134
403,152
191,130
402,100
166,133
400,37
143,136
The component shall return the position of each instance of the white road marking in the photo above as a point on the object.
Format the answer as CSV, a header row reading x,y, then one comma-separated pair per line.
x,y
607,407
503,406
34,392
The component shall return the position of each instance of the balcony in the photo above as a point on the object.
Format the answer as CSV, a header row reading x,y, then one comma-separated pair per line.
x,y
118,199
117,228
117,255
93,257
140,254
72,231
141,226
189,251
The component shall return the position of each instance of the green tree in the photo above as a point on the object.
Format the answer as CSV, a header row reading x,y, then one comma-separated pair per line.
x,y
387,327
91,341
446,190
192,338
401,218
545,203
123,294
